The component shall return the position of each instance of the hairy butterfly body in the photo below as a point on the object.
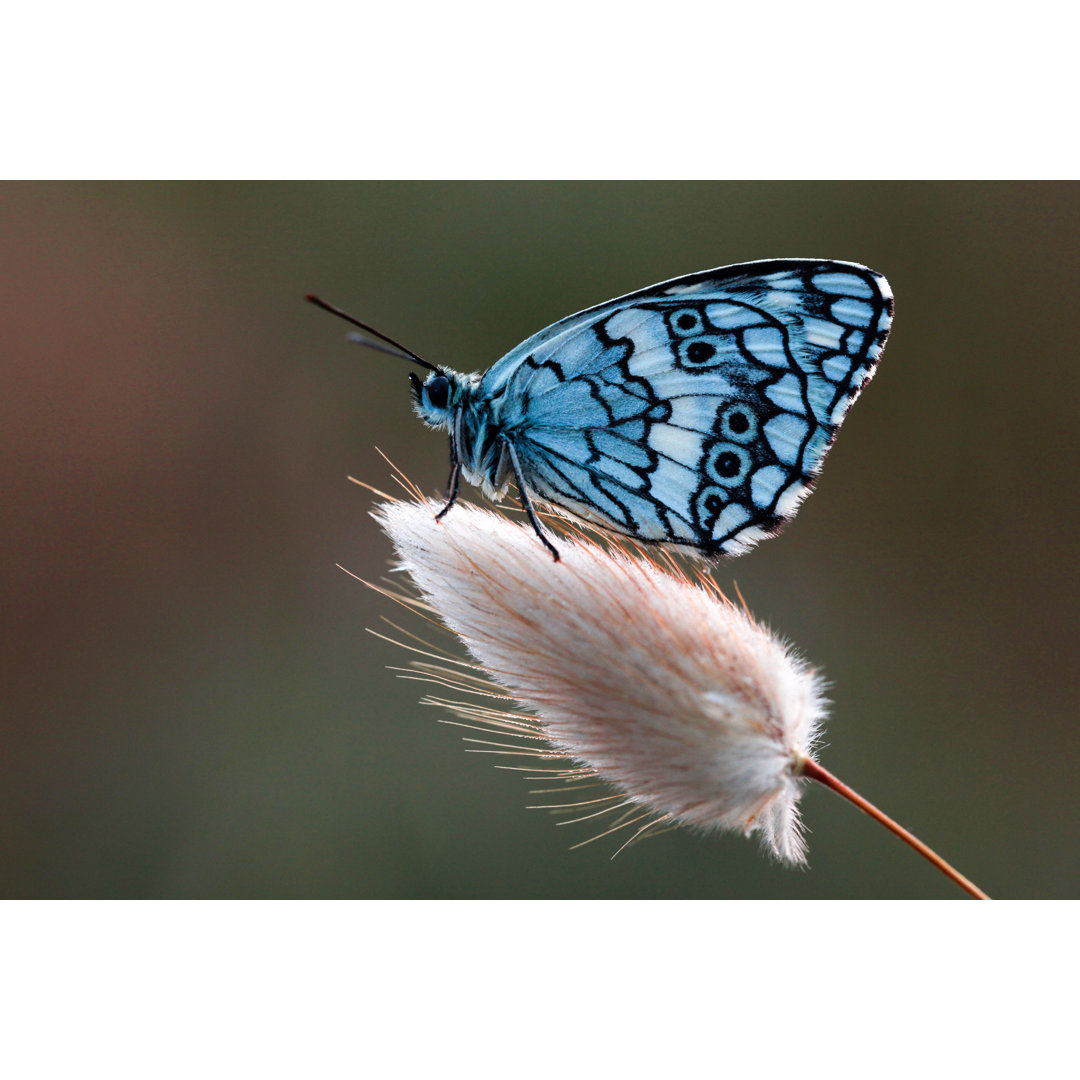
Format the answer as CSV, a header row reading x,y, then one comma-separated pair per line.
x,y
696,412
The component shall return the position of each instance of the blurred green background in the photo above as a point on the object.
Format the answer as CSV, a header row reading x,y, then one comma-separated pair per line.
x,y
191,705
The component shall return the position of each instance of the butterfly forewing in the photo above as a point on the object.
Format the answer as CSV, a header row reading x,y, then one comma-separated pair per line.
x,y
697,411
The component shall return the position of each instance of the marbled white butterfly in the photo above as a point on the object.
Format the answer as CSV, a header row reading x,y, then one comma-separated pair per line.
x,y
696,412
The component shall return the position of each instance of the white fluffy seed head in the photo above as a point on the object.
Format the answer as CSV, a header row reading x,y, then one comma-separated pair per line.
x,y
654,681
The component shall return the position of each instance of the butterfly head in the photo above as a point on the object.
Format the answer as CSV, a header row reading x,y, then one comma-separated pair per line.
x,y
437,397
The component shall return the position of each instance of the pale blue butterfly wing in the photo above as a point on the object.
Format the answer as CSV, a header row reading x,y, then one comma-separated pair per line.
x,y
697,411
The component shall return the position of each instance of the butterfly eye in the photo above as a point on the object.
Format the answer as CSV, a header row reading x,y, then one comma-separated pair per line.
x,y
438,391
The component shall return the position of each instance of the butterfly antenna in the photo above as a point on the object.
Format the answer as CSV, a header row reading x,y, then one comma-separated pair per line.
x,y
394,348
374,343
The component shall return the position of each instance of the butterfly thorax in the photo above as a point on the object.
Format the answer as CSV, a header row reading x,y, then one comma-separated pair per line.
x,y
457,404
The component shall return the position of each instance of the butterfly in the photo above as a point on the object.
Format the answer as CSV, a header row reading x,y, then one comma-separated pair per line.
x,y
696,412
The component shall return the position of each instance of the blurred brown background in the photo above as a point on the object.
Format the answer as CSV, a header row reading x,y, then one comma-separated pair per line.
x,y
190,704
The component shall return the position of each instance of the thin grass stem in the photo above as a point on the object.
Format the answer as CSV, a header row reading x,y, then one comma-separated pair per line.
x,y
813,771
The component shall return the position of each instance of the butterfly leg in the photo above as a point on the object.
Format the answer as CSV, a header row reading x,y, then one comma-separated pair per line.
x,y
526,502
454,482
452,486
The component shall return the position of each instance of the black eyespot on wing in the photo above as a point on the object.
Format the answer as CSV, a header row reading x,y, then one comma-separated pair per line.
x,y
684,321
736,422
727,464
739,422
701,352
708,504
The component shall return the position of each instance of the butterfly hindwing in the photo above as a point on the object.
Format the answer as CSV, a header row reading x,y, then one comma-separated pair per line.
x,y
697,411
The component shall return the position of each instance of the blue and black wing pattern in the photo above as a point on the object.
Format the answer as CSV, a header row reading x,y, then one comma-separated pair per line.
x,y
699,411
